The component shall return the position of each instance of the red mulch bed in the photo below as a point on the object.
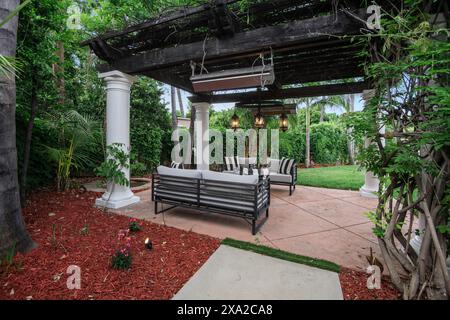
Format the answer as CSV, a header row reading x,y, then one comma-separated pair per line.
x,y
155,274
354,287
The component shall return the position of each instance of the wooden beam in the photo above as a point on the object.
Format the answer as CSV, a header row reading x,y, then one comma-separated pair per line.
x,y
279,36
179,14
292,93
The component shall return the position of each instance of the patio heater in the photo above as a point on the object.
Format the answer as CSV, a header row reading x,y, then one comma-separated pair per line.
x,y
241,78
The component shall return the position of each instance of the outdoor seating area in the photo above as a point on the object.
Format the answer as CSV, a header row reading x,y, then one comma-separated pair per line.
x,y
316,222
224,149
247,197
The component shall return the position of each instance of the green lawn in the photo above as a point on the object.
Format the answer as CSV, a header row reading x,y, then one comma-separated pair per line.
x,y
340,177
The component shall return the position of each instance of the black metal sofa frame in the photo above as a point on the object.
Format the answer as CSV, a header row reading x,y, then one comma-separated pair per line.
x,y
291,184
247,201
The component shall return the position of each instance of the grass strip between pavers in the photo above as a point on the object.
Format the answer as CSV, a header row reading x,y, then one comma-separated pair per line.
x,y
283,255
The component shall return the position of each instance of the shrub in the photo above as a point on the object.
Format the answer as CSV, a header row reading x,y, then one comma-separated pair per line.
x,y
122,259
134,225
328,143
146,142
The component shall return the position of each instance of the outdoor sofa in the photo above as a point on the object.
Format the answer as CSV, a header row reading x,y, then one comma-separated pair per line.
x,y
281,171
247,197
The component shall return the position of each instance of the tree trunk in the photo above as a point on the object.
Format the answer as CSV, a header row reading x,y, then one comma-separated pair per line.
x,y
58,69
180,102
27,147
322,113
308,137
174,108
350,142
12,225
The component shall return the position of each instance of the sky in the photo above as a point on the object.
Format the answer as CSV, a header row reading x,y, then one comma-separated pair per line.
x,y
223,106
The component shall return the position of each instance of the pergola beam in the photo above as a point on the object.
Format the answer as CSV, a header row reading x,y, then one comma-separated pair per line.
x,y
253,41
291,93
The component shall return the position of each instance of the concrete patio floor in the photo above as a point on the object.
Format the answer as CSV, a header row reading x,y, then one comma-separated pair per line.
x,y
316,222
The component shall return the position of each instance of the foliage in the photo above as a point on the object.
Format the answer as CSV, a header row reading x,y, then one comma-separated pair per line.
x,y
409,71
122,257
10,65
134,225
76,146
66,81
150,132
328,143
116,160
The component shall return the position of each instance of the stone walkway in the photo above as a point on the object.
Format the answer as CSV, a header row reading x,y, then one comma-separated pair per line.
x,y
315,222
230,274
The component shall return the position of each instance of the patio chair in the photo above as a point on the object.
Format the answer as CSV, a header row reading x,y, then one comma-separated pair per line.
x,y
283,172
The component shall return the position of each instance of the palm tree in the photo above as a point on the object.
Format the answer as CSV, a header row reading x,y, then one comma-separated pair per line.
x,y
311,103
180,102
13,234
173,104
79,138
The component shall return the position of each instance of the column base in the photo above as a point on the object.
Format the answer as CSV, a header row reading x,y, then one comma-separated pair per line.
x,y
116,204
368,193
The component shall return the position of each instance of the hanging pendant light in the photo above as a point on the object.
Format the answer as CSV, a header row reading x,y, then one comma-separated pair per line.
x,y
234,122
259,120
284,122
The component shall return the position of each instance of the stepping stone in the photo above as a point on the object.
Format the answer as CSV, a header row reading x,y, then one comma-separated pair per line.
x,y
235,274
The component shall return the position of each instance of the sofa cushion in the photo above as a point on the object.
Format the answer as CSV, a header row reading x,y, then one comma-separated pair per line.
x,y
274,165
286,165
226,177
196,174
231,163
278,177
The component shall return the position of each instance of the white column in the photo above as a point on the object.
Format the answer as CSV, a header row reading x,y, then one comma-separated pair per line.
x,y
371,182
118,86
202,135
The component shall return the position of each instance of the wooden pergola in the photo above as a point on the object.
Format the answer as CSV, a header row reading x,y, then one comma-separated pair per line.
x,y
310,44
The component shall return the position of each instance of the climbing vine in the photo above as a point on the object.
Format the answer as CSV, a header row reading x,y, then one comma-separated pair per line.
x,y
409,72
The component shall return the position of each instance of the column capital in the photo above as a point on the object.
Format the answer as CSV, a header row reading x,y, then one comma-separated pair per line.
x,y
201,106
117,79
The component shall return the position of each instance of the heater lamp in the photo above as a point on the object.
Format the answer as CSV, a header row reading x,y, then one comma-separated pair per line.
x,y
233,79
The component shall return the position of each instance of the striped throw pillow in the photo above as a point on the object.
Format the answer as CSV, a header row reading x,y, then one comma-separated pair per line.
x,y
231,163
176,165
286,166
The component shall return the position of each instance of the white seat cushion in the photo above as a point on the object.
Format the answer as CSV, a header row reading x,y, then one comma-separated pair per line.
x,y
179,172
226,177
278,177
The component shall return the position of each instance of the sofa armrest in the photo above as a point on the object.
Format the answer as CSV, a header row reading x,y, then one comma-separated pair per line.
x,y
294,173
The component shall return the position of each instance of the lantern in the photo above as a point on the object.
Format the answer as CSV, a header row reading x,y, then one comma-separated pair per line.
x,y
283,122
259,120
235,122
